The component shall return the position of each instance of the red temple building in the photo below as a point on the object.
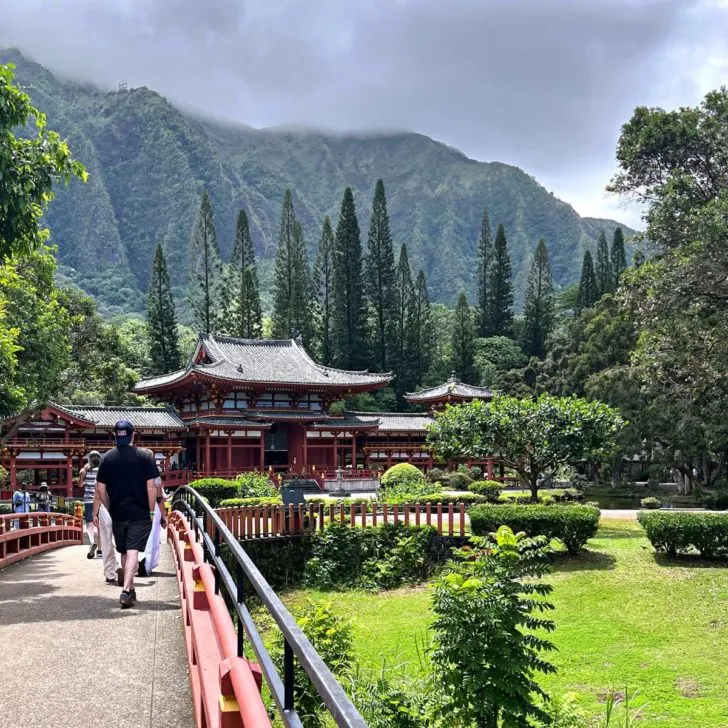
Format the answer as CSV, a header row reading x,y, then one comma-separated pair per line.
x,y
240,404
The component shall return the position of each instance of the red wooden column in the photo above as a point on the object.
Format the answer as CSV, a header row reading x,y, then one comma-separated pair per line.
x,y
262,449
336,451
198,434
208,469
305,447
13,472
229,451
353,450
489,466
69,476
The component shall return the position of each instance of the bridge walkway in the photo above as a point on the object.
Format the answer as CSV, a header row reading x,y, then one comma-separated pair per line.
x,y
69,656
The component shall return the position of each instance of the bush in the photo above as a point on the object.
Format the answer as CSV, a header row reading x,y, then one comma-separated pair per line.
x,y
567,495
473,472
433,498
255,501
679,533
436,475
593,504
381,557
459,481
215,490
491,489
255,485
572,525
401,476
717,501
651,503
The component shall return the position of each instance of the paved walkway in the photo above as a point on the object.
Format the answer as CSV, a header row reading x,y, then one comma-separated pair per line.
x,y
69,656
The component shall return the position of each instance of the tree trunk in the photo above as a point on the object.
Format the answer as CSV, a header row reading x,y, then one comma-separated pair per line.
x,y
533,484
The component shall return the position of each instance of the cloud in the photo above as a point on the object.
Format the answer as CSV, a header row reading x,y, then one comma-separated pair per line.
x,y
544,85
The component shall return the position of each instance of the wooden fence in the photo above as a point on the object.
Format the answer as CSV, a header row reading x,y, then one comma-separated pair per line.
x,y
251,522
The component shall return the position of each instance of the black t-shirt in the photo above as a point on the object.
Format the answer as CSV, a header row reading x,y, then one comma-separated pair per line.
x,y
125,471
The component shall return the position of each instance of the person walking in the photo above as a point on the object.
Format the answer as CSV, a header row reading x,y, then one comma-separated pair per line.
x,y
21,503
87,480
126,486
43,498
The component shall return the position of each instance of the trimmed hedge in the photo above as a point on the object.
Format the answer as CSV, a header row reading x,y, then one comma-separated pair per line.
x,y
680,533
444,498
491,489
651,503
401,475
572,525
458,481
215,490
254,501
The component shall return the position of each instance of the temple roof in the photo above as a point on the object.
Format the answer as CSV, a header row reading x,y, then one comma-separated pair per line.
x,y
143,418
236,423
452,389
391,421
263,362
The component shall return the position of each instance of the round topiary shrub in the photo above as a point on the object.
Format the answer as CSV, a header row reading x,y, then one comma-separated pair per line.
x,y
650,503
459,481
215,490
491,489
402,475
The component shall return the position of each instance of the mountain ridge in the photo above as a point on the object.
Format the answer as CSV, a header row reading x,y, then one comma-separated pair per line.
x,y
149,162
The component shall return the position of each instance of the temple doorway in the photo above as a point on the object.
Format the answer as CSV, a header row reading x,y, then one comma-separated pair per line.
x,y
276,447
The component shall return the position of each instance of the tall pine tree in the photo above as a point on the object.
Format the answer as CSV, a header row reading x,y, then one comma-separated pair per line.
x,y
380,278
463,342
161,320
324,293
206,270
539,305
485,256
403,309
421,331
618,256
350,335
291,281
588,289
603,268
500,295
240,291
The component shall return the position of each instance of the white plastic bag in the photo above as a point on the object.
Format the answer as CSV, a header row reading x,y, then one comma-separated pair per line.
x,y
150,556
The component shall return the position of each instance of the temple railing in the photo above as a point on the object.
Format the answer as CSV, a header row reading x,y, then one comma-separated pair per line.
x,y
228,577
26,534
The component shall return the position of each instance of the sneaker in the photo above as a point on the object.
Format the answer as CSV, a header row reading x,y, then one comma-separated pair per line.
x,y
125,600
133,595
142,570
92,551
111,581
99,554
120,576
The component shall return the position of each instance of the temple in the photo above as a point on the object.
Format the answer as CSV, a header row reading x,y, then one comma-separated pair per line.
x,y
240,404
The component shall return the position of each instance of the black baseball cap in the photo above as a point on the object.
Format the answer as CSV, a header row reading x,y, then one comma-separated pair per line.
x,y
123,430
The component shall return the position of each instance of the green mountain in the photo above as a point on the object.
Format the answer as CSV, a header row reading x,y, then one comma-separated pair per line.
x,y
149,162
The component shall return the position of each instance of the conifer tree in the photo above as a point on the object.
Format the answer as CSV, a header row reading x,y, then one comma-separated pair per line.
x,y
603,268
161,320
539,305
380,278
324,292
463,342
403,340
618,256
500,295
350,336
291,281
240,292
206,270
422,333
485,256
588,291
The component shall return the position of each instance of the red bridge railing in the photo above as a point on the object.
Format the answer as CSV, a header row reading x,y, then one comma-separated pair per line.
x,y
27,534
250,522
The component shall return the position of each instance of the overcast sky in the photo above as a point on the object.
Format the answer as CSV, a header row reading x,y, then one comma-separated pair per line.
x,y
543,84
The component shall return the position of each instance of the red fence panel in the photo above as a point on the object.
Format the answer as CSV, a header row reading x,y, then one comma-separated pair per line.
x,y
26,534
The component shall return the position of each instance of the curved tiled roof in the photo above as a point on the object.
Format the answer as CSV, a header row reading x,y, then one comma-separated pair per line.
x,y
149,418
453,389
392,421
262,361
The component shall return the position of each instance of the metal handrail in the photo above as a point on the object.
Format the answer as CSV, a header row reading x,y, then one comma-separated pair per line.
x,y
213,532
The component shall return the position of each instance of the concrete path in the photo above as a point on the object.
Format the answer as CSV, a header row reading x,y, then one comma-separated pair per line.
x,y
70,657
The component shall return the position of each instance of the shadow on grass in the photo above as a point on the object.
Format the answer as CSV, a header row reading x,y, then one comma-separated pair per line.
x,y
584,561
690,561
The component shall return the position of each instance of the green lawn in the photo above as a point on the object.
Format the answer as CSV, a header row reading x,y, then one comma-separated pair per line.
x,y
623,615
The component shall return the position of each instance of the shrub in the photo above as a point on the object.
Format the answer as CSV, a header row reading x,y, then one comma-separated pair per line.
x,y
255,501
401,476
384,557
436,475
572,525
491,489
215,490
433,498
6,508
679,533
567,495
459,481
255,485
474,472
593,504
717,501
651,503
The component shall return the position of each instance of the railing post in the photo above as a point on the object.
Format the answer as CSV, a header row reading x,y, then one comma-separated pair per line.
x,y
288,676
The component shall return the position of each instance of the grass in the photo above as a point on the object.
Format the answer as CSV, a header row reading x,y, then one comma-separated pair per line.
x,y
624,615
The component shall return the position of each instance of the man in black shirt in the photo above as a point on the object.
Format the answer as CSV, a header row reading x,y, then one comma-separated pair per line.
x,y
125,484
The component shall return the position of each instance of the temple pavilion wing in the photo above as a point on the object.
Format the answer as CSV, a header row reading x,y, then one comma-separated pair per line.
x,y
452,391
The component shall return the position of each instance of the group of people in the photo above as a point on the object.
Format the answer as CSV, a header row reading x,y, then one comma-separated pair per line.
x,y
124,510
21,500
